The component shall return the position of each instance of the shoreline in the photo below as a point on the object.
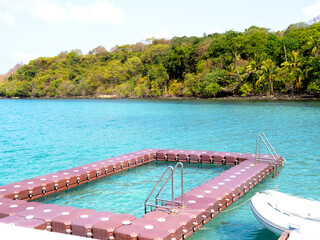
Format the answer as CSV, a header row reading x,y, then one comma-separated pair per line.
x,y
302,97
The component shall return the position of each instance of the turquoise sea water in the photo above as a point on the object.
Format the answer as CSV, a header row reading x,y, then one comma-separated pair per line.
x,y
43,136
127,191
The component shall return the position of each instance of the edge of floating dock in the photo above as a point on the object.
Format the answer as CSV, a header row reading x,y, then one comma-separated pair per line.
x,y
202,203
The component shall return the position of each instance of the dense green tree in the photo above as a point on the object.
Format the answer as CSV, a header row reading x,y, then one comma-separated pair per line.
x,y
269,72
256,61
293,71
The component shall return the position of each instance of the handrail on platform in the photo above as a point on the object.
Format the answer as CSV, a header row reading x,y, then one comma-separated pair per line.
x,y
171,175
275,160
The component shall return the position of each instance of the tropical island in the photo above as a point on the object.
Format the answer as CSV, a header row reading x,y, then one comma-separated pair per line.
x,y
254,63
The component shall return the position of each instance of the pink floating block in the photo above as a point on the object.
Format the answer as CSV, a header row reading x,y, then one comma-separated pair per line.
x,y
62,223
18,190
131,229
34,186
183,220
89,171
231,158
105,167
73,177
218,157
29,222
17,207
245,179
145,227
150,232
128,232
58,179
95,170
141,157
114,165
150,150
176,224
220,197
209,206
156,214
161,155
196,215
207,157
267,157
123,162
172,155
6,192
105,229
48,185
6,202
148,154
229,189
136,159
203,155
183,155
245,156
194,156
82,226
229,194
46,212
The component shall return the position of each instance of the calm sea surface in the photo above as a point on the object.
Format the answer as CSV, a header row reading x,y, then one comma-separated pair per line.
x,y
43,136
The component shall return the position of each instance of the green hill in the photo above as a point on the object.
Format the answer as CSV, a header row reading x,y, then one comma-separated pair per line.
x,y
254,62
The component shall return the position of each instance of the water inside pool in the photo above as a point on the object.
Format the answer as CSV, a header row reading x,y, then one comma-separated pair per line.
x,y
125,192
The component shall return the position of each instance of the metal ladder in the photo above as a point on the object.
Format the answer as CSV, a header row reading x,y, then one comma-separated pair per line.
x,y
164,201
274,160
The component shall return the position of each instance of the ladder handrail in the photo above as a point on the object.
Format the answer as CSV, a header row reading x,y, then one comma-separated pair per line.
x,y
145,202
267,148
270,145
263,138
171,175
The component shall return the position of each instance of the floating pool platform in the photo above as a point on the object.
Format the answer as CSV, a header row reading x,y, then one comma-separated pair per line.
x,y
200,204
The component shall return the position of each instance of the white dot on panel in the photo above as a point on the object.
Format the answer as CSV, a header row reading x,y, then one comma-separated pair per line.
x,y
126,222
161,219
149,227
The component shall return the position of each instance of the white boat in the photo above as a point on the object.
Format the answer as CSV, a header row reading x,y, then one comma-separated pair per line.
x,y
294,235
280,212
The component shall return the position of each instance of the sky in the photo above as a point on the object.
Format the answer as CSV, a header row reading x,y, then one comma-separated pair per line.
x,y
43,28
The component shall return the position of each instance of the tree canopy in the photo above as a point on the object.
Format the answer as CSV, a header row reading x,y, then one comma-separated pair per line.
x,y
254,62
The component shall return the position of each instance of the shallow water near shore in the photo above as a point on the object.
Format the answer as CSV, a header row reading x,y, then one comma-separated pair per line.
x,y
43,136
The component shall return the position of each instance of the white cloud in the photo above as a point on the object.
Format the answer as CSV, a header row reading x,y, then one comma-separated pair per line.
x,y
24,57
98,12
50,12
15,4
7,18
312,10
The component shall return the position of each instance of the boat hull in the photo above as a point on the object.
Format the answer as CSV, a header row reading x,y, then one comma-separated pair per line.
x,y
279,212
